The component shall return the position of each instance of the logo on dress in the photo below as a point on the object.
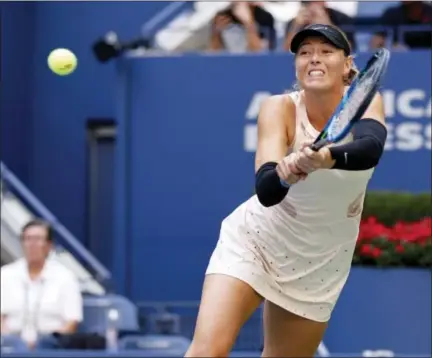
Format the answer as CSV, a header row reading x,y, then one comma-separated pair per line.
x,y
305,131
356,207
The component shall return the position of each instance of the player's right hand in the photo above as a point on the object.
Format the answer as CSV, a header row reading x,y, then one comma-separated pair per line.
x,y
288,171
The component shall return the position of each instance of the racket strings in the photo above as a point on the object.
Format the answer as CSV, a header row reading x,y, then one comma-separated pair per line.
x,y
356,100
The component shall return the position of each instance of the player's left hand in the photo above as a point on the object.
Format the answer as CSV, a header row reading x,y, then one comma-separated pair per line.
x,y
308,160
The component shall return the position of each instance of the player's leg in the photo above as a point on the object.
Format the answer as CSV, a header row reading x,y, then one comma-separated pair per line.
x,y
226,304
289,335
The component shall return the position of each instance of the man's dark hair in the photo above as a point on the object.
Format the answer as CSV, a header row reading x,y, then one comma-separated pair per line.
x,y
40,223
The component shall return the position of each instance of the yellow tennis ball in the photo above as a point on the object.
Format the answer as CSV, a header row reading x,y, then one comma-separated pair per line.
x,y
62,61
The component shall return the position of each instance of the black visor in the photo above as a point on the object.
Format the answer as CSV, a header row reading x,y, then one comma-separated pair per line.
x,y
330,33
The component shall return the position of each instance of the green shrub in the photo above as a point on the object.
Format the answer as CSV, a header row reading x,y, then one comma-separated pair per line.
x,y
390,207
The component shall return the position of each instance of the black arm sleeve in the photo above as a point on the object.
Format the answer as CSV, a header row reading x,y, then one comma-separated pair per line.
x,y
268,186
365,151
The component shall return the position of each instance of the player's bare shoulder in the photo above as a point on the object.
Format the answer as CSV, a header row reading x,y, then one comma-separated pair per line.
x,y
277,108
274,134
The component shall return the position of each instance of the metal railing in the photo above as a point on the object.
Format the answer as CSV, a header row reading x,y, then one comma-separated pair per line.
x,y
64,238
162,18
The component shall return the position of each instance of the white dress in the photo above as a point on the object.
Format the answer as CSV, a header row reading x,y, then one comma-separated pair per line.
x,y
296,254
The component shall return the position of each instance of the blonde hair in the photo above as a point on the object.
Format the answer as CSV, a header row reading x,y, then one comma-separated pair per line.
x,y
351,75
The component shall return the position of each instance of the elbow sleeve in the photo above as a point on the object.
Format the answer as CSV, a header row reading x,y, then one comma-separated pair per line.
x,y
268,187
366,149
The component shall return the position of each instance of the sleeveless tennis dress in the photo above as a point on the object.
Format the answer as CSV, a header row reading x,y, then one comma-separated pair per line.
x,y
296,254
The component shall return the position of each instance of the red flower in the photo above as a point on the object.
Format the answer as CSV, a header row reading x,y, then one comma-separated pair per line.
x,y
399,248
371,242
416,232
376,252
366,249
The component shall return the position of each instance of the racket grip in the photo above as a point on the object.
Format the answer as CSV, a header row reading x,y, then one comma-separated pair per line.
x,y
318,145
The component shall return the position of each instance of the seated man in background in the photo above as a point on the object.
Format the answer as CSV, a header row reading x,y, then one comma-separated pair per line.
x,y
244,27
316,12
39,296
407,13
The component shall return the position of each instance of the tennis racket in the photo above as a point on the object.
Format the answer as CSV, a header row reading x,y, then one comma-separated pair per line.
x,y
355,102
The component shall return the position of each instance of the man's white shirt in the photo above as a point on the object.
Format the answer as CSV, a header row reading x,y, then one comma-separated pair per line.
x,y
40,306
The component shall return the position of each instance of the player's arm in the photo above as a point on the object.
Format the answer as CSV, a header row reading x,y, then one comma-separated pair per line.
x,y
273,139
272,132
369,136
376,110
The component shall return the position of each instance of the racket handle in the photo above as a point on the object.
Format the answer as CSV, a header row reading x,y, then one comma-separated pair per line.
x,y
318,145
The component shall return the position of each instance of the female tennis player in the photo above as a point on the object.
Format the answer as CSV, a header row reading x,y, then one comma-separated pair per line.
x,y
291,248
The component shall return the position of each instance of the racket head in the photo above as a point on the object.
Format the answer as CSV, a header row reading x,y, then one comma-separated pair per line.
x,y
355,101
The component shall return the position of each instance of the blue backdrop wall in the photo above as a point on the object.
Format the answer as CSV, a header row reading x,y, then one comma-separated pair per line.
x,y
43,116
